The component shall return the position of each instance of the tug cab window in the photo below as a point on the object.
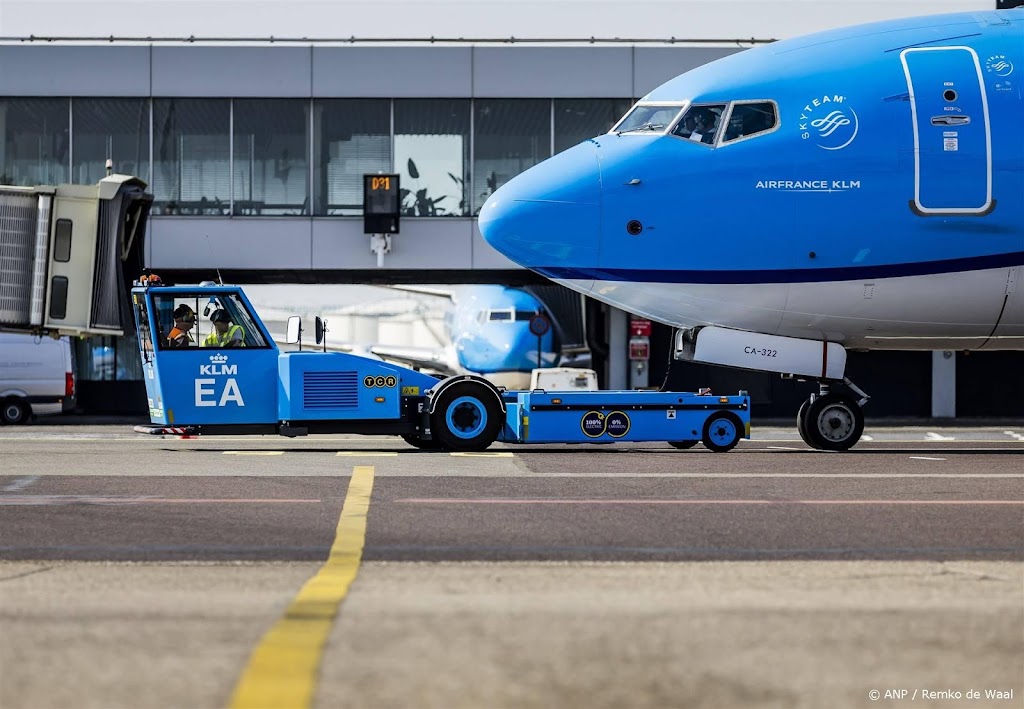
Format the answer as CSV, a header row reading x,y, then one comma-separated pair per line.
x,y
644,118
748,119
187,321
142,323
700,123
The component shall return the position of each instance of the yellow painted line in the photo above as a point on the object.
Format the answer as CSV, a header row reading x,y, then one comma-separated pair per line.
x,y
282,671
484,454
367,454
253,452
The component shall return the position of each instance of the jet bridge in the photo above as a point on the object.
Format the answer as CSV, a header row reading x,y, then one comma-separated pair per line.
x,y
64,251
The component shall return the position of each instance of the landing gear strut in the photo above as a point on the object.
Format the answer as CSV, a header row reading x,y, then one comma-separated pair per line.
x,y
832,421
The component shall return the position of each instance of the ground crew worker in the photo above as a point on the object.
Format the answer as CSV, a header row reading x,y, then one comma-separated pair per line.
x,y
224,333
184,320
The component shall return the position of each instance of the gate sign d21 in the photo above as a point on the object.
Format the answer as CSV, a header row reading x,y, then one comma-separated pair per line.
x,y
382,204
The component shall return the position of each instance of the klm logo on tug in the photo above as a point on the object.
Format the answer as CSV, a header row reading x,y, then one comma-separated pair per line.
x,y
207,389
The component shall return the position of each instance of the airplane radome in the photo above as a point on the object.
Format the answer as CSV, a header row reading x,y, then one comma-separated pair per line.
x,y
860,188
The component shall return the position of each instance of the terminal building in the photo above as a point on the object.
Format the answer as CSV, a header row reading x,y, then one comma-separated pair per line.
x,y
255,142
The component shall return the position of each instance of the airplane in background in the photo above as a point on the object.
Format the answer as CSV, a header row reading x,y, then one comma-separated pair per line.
x,y
861,188
488,329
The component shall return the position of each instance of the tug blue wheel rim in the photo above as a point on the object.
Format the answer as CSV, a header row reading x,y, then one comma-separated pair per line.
x,y
722,432
466,417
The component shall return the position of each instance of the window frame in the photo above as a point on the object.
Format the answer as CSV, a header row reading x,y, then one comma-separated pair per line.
x,y
195,299
743,138
682,105
726,110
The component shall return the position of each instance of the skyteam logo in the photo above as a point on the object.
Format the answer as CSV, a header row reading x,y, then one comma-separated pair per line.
x,y
999,65
829,122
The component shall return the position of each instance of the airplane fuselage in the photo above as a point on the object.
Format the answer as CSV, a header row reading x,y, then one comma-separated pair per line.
x,y
881,208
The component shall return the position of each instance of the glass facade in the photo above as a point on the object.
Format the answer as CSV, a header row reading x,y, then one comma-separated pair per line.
x,y
191,156
35,148
577,120
114,128
351,137
103,358
252,157
270,166
432,156
510,136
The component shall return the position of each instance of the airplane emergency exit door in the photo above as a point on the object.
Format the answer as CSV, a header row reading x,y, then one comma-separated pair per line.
x,y
952,141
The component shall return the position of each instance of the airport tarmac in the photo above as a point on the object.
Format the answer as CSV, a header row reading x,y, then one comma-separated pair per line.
x,y
140,571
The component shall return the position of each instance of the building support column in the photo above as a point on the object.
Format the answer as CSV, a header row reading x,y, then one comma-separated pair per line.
x,y
618,349
943,384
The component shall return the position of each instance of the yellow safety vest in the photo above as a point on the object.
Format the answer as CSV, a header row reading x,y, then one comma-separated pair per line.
x,y
214,339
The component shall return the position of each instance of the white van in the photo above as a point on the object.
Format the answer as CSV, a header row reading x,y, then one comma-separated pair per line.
x,y
36,377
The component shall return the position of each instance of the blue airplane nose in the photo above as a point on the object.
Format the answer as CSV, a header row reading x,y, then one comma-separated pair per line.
x,y
550,215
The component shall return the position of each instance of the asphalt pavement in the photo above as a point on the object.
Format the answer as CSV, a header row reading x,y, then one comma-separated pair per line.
x,y
145,571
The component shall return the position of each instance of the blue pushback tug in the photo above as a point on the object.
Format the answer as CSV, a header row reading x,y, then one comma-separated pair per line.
x,y
210,372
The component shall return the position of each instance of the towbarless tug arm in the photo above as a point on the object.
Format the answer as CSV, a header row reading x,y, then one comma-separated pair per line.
x,y
211,366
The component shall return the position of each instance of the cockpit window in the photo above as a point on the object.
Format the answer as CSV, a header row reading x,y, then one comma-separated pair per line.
x,y
510,315
749,119
701,123
647,119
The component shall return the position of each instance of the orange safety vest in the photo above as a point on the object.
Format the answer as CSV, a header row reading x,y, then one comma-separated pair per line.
x,y
178,338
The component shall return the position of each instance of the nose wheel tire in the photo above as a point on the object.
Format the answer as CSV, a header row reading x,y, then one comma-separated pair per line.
x,y
467,417
801,422
833,422
14,412
722,431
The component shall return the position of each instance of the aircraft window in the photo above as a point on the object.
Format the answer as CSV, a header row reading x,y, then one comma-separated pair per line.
x,y
700,123
749,119
647,119
524,315
496,315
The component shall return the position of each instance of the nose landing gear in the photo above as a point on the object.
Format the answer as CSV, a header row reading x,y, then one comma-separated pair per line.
x,y
832,421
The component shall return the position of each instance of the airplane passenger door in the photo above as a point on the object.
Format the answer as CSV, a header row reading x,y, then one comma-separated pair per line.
x,y
952,139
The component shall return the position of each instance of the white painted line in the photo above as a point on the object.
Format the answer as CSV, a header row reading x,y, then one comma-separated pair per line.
x,y
253,452
866,476
366,454
783,448
1014,434
42,500
627,501
484,454
867,439
20,483
921,457
932,436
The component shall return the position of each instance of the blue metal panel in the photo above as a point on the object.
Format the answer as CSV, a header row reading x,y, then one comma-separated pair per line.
x,y
327,390
203,386
322,386
611,416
